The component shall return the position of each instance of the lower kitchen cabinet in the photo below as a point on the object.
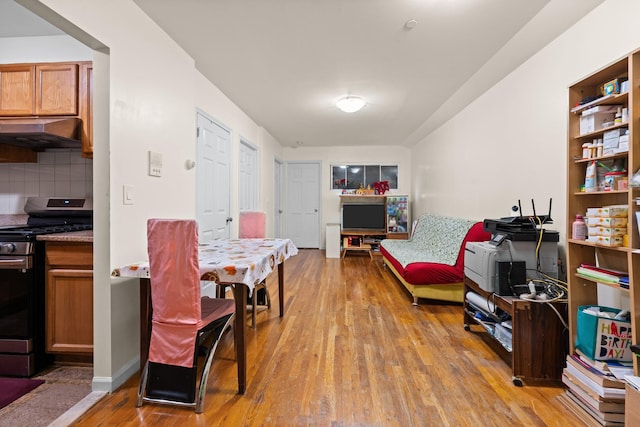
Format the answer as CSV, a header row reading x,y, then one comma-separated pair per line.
x,y
69,298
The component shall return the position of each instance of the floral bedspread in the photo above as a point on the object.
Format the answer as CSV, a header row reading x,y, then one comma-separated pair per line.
x,y
436,239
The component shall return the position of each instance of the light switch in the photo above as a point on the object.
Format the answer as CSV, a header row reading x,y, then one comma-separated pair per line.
x,y
127,194
155,163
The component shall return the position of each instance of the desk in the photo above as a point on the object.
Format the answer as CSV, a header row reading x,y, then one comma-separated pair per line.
x,y
240,262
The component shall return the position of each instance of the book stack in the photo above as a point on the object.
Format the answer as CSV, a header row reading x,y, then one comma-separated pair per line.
x,y
594,389
604,275
607,225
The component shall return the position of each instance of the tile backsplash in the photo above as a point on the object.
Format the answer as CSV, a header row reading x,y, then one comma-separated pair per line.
x,y
58,173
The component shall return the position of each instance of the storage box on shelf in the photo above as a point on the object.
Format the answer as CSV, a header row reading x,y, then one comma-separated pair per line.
x,y
605,247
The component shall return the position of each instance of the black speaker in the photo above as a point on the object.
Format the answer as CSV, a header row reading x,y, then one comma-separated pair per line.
x,y
510,274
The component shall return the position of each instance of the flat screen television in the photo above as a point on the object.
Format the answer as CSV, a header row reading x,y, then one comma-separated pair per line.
x,y
363,216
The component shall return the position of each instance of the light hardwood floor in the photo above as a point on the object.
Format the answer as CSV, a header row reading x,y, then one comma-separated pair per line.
x,y
351,350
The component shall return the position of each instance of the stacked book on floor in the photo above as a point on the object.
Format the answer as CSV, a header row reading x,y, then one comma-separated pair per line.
x,y
594,388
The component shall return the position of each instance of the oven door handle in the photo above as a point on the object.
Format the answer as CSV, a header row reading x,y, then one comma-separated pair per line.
x,y
15,263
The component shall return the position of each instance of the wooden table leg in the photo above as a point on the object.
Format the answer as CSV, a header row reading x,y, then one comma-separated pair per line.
x,y
281,287
145,320
240,330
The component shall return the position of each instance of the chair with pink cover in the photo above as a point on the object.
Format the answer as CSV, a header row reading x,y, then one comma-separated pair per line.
x,y
252,225
182,320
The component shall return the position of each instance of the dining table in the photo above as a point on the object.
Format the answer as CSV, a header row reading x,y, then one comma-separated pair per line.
x,y
240,263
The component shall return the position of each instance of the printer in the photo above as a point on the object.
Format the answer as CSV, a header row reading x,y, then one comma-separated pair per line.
x,y
498,268
509,258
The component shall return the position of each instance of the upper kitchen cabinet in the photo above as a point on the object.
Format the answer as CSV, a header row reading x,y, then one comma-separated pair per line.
x,y
86,108
47,91
56,89
17,90
39,89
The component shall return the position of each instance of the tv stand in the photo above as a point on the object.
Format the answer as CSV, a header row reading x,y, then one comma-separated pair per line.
x,y
396,227
369,240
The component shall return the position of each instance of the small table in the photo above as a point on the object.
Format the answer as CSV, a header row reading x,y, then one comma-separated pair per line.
x,y
241,262
361,247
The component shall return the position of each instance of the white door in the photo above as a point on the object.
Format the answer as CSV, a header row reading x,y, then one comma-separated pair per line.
x,y
303,204
248,177
277,198
213,172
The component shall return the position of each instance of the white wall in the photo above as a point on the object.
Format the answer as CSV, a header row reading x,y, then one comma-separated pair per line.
x,y
510,143
212,102
328,156
62,48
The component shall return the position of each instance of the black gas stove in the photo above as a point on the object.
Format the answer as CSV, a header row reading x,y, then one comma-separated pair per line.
x,y
30,232
22,280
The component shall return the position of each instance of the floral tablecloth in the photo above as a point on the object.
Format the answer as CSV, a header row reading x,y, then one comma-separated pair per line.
x,y
247,261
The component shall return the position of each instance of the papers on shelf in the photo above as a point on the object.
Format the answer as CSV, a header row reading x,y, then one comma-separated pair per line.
x,y
603,275
633,381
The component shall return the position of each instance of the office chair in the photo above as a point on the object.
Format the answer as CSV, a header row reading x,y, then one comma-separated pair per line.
x,y
182,320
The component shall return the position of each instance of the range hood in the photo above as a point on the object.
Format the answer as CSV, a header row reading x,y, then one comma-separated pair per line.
x,y
39,134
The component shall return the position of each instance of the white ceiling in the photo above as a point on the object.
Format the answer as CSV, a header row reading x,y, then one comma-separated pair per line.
x,y
286,62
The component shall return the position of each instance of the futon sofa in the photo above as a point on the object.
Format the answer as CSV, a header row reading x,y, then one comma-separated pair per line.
x,y
431,263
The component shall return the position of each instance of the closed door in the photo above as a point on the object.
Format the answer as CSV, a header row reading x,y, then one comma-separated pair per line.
x,y
277,198
213,171
248,177
303,204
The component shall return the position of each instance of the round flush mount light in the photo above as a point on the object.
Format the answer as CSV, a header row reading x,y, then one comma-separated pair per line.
x,y
350,104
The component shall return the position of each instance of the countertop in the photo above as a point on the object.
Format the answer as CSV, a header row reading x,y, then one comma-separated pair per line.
x,y
73,236
7,220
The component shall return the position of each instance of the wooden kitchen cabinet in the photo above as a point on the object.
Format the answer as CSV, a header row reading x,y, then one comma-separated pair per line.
x,y
47,90
39,89
56,89
86,108
17,89
69,298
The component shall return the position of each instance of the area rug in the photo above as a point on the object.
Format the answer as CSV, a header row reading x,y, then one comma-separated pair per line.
x,y
14,388
64,386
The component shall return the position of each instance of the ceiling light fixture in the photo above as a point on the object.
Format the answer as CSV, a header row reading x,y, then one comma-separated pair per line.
x,y
350,104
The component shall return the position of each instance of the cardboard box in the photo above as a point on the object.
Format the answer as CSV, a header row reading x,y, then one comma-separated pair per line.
x,y
600,221
608,231
606,240
615,211
611,140
623,145
593,122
